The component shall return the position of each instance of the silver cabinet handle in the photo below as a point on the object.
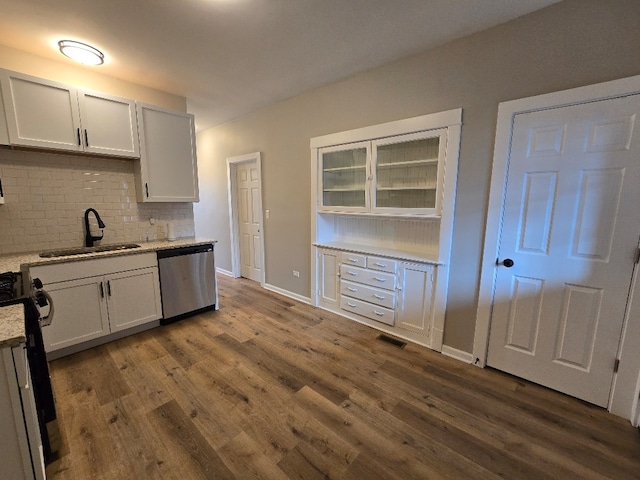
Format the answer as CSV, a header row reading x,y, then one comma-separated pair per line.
x,y
353,260
351,305
379,297
381,265
352,273
380,279
380,314
352,289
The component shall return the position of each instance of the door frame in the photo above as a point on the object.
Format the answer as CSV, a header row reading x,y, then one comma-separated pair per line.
x,y
232,166
623,400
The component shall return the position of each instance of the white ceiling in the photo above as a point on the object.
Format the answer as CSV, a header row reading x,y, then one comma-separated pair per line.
x,y
232,57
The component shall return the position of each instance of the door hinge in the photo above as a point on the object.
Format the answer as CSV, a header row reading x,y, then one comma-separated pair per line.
x,y
616,365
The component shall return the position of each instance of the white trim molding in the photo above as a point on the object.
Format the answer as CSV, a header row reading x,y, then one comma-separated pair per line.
x,y
624,396
227,273
465,357
287,293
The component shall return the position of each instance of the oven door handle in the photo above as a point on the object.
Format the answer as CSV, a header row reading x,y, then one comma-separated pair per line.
x,y
46,321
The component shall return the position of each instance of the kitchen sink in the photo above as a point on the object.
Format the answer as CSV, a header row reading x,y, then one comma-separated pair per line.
x,y
67,252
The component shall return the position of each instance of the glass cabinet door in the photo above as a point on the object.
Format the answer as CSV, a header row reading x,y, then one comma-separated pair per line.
x,y
407,173
343,177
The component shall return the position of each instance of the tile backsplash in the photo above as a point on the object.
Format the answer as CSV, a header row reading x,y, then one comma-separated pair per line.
x,y
46,195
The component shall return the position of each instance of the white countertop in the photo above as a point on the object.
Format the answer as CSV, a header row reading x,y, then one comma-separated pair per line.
x,y
12,317
427,257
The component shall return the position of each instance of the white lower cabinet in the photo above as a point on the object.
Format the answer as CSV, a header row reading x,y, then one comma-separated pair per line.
x,y
386,293
87,306
415,305
328,268
80,313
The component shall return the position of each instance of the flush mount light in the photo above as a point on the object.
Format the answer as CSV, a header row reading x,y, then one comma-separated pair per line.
x,y
81,52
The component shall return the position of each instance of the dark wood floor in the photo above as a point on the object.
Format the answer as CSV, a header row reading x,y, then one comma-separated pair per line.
x,y
271,388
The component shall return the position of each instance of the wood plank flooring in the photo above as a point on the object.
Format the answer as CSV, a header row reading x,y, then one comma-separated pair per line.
x,y
271,388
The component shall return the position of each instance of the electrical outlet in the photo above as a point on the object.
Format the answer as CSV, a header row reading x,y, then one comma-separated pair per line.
x,y
296,274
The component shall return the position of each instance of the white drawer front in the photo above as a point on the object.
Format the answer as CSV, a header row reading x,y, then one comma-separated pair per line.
x,y
374,312
382,264
368,277
354,259
380,297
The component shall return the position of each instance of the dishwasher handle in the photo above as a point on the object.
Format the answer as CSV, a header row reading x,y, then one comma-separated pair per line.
x,y
179,251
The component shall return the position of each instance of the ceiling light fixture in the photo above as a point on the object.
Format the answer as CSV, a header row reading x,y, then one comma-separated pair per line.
x,y
81,52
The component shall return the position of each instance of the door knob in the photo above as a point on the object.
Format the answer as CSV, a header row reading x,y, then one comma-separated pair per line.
x,y
507,262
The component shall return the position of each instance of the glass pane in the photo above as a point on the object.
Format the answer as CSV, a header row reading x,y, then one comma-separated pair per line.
x,y
344,178
407,174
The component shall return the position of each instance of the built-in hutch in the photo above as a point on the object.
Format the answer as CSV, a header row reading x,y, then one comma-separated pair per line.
x,y
382,220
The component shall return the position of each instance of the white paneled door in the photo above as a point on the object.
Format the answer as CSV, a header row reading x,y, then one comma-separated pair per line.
x,y
568,246
249,212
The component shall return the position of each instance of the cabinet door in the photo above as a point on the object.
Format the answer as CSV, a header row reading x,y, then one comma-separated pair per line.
x,y
41,113
328,280
416,284
343,178
109,124
407,173
4,132
80,313
168,170
133,298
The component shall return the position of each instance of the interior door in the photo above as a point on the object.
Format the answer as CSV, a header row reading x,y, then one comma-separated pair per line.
x,y
249,216
567,246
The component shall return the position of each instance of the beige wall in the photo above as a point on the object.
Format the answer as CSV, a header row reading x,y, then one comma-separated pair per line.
x,y
87,77
570,44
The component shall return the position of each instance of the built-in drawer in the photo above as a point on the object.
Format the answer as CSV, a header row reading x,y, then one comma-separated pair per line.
x,y
368,277
384,298
374,312
354,259
382,264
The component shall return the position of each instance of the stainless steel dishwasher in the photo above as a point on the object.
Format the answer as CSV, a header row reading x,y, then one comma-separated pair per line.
x,y
187,281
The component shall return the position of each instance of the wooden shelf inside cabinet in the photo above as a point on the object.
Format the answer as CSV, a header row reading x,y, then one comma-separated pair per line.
x,y
343,190
398,189
344,169
412,163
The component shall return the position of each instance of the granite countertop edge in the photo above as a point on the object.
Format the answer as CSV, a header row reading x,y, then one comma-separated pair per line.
x,y
12,331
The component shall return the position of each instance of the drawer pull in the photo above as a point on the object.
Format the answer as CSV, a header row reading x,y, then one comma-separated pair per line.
x,y
351,289
353,274
353,260
380,279
352,305
379,297
380,314
381,265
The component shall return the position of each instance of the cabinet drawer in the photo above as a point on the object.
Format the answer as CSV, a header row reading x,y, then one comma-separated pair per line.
x,y
384,298
354,259
382,264
374,312
368,277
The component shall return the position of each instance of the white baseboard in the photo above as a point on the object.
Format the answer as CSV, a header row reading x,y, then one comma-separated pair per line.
x,y
287,293
465,357
224,272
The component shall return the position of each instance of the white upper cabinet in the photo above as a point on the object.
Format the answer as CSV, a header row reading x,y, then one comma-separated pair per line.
x,y
407,174
394,174
109,124
46,114
168,170
344,177
4,133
